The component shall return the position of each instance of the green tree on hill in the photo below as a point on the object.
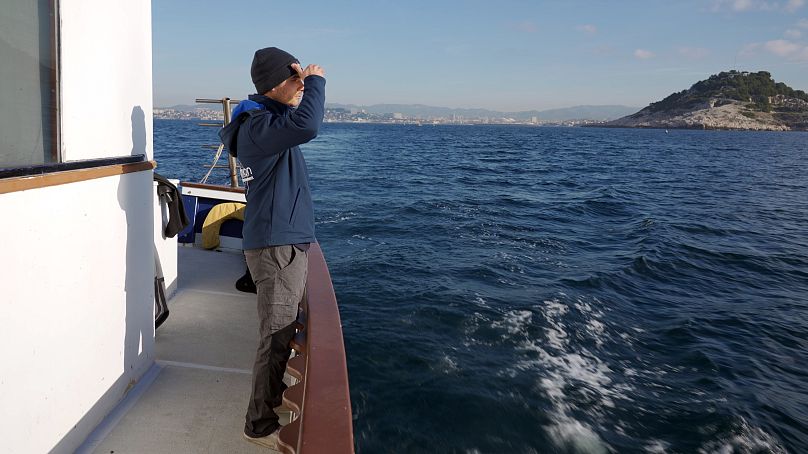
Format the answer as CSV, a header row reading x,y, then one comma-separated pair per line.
x,y
754,88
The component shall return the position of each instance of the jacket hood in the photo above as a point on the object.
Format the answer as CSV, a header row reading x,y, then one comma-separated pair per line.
x,y
229,134
269,104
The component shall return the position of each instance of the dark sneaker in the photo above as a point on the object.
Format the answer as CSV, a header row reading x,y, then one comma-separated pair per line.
x,y
270,441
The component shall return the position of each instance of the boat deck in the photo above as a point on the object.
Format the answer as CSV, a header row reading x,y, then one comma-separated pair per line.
x,y
194,399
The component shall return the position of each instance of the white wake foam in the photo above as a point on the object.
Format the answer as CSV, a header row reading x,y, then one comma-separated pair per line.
x,y
745,440
564,367
569,433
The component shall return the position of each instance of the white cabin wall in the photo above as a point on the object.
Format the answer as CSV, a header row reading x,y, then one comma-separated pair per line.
x,y
106,78
77,266
77,307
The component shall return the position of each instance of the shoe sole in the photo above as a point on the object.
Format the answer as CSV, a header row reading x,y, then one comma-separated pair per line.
x,y
264,441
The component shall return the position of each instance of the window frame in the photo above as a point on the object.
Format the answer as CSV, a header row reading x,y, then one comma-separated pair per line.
x,y
55,80
53,155
57,171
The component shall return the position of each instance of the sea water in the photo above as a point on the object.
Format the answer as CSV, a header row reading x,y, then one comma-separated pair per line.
x,y
570,290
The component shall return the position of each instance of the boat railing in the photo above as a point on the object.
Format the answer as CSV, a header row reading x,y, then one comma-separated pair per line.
x,y
232,164
320,400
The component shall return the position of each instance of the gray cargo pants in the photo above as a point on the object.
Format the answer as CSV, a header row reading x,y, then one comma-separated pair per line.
x,y
280,274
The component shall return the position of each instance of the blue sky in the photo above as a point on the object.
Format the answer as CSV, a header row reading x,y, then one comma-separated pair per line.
x,y
505,55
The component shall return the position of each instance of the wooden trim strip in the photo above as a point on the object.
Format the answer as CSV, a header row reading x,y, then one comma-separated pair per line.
x,y
326,423
293,397
212,187
50,167
71,176
288,437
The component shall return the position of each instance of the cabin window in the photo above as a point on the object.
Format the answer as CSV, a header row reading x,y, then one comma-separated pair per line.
x,y
29,98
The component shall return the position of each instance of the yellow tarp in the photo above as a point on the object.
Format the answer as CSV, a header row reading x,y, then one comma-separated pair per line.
x,y
213,221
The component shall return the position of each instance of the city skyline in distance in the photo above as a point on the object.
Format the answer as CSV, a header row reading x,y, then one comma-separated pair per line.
x,y
606,112
510,57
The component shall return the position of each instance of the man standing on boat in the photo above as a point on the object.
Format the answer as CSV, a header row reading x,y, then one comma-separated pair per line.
x,y
264,135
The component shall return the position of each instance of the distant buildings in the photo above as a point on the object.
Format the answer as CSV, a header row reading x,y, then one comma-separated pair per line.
x,y
340,115
200,113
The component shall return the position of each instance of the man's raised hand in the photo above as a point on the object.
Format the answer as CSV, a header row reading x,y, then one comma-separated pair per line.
x,y
312,70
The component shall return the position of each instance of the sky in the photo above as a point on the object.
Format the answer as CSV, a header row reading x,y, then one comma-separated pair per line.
x,y
506,55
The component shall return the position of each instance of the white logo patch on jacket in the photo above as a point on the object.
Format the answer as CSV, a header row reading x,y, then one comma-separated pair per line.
x,y
246,174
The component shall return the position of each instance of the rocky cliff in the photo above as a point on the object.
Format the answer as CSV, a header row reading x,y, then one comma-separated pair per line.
x,y
729,100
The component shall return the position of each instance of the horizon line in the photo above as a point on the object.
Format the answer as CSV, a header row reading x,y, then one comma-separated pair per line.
x,y
441,107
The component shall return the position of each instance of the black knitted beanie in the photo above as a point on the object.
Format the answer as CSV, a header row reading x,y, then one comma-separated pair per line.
x,y
270,67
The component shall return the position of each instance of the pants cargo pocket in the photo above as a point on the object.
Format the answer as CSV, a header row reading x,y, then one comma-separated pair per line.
x,y
290,284
280,276
282,313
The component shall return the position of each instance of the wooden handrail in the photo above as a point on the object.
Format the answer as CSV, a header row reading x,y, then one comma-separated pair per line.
x,y
325,421
212,187
25,183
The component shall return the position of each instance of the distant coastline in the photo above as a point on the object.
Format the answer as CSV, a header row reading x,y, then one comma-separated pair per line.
x,y
427,115
412,122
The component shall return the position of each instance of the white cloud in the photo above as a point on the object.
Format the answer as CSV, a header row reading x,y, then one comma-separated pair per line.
x,y
742,5
803,23
643,54
757,5
794,5
782,47
587,28
750,5
793,33
695,53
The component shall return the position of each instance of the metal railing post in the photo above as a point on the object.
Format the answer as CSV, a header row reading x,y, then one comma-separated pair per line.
x,y
230,159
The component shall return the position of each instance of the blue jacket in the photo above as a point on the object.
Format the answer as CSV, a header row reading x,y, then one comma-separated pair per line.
x,y
264,134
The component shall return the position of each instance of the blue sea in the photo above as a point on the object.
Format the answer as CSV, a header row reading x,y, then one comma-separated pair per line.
x,y
516,289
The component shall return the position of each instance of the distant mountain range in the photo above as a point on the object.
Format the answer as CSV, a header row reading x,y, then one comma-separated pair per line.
x,y
602,113
570,113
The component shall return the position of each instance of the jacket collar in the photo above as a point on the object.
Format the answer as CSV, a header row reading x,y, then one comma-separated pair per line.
x,y
270,104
